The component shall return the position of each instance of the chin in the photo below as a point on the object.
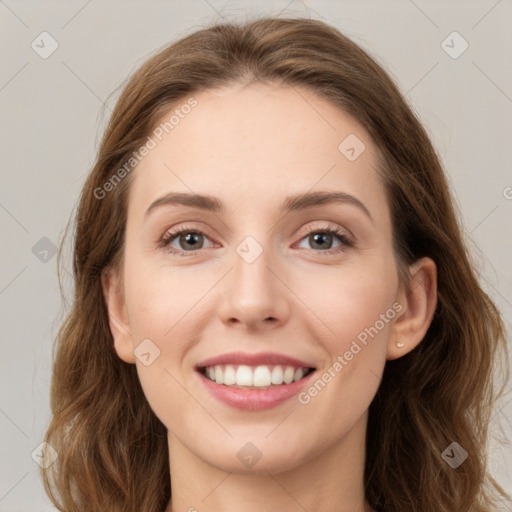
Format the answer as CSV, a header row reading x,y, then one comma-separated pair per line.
x,y
256,456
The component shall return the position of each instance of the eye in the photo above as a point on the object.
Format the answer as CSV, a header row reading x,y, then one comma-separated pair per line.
x,y
188,240
321,239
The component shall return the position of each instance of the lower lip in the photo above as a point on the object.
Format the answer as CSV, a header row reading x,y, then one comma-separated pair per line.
x,y
254,399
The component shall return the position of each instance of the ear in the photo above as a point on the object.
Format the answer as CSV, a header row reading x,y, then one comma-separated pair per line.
x,y
117,315
418,309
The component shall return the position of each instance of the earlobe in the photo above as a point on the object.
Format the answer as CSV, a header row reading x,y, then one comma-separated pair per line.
x,y
117,317
419,305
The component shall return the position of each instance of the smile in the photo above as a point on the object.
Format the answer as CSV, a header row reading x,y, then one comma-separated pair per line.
x,y
254,381
262,376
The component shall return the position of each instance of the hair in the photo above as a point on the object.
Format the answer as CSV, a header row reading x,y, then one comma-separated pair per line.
x,y
112,449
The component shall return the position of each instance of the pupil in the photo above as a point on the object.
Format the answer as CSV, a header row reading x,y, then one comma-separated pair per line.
x,y
190,237
322,237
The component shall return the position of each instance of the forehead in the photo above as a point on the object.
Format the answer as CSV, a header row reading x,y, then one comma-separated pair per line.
x,y
245,144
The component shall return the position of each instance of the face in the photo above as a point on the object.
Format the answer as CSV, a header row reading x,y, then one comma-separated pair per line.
x,y
260,282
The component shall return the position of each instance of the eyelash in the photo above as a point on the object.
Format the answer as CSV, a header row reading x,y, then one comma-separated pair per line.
x,y
346,241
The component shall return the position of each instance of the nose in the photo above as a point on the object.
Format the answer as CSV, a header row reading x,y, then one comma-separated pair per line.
x,y
253,294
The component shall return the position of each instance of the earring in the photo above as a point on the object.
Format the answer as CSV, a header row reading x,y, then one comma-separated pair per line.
x,y
399,344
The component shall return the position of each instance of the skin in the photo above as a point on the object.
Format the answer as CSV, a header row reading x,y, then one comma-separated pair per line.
x,y
250,147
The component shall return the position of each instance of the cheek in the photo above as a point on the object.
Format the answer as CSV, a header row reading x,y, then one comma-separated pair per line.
x,y
162,307
159,298
355,350
356,309
351,300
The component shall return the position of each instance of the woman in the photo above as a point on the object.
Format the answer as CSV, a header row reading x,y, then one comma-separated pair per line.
x,y
274,305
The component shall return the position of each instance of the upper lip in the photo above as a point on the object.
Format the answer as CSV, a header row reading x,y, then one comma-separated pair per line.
x,y
261,358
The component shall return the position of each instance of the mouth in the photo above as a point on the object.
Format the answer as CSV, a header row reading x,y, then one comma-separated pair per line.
x,y
254,382
254,377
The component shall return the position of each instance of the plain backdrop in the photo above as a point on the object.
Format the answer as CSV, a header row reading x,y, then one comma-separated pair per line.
x,y
53,114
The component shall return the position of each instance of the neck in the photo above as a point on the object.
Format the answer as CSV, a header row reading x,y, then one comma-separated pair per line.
x,y
331,481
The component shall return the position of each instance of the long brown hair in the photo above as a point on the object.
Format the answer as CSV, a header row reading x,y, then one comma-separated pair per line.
x,y
112,449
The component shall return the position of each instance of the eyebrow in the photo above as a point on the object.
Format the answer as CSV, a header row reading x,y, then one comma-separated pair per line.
x,y
290,204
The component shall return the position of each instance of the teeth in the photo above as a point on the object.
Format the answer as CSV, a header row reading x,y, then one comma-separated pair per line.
x,y
260,376
288,374
219,375
277,375
229,375
299,373
243,375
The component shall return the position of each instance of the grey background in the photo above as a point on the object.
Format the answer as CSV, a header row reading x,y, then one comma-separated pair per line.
x,y
53,116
